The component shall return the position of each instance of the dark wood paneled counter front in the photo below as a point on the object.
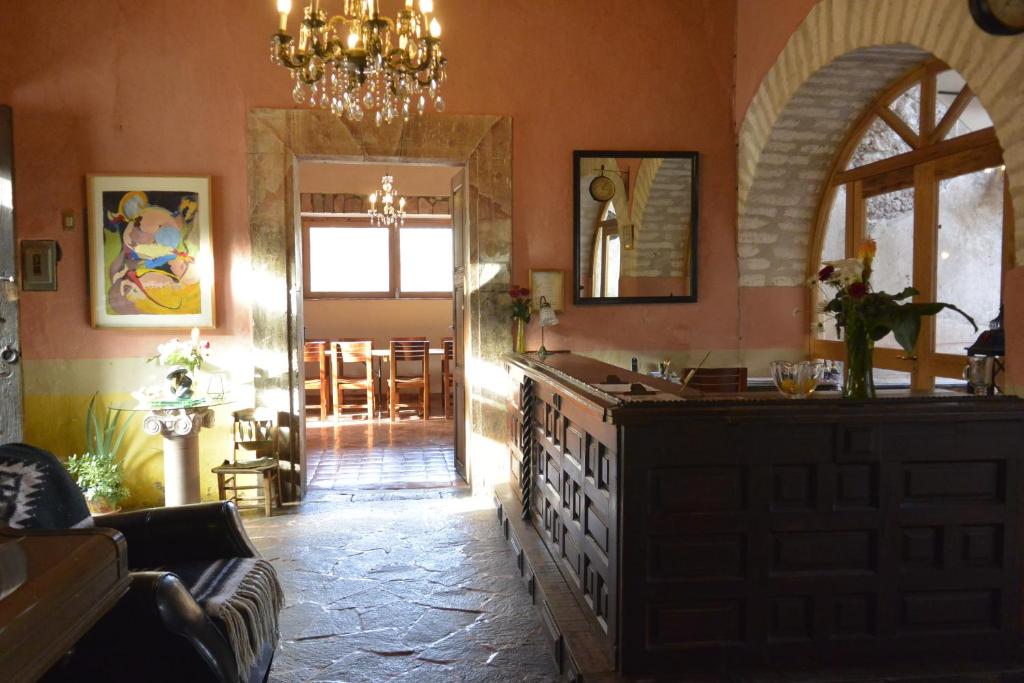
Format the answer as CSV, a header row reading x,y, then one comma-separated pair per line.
x,y
750,529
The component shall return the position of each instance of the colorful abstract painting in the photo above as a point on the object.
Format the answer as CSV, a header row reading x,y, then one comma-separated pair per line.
x,y
151,252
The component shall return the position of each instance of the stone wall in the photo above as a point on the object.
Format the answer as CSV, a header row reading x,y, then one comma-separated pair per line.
x,y
808,100
776,220
663,232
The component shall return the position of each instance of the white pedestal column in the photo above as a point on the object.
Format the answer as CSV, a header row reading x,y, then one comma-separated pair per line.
x,y
180,430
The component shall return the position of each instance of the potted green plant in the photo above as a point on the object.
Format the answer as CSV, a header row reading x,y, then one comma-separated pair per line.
x,y
98,471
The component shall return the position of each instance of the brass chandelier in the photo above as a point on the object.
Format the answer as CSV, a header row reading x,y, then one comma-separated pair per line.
x,y
388,214
358,61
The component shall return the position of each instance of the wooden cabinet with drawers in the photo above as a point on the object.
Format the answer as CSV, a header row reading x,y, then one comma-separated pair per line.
x,y
750,529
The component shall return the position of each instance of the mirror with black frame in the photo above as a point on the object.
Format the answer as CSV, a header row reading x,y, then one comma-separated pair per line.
x,y
635,217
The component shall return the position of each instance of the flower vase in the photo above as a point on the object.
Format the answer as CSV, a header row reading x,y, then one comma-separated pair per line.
x,y
180,383
860,383
520,340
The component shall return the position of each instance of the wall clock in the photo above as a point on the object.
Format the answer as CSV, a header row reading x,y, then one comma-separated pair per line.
x,y
999,17
602,188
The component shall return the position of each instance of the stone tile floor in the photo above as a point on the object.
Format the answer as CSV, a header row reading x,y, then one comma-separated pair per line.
x,y
406,584
399,586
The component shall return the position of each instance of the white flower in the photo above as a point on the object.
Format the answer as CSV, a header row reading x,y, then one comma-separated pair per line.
x,y
847,271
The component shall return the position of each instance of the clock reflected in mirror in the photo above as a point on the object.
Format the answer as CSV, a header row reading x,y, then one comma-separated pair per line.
x,y
635,227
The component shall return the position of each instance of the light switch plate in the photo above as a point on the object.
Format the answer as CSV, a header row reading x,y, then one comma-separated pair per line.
x,y
67,220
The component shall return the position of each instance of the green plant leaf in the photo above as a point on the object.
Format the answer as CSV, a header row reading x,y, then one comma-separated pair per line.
x,y
116,445
905,294
906,327
92,425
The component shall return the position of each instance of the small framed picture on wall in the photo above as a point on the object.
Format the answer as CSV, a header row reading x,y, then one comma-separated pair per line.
x,y
39,265
549,284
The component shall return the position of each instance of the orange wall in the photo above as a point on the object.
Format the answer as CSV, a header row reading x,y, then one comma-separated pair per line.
x,y
763,28
164,86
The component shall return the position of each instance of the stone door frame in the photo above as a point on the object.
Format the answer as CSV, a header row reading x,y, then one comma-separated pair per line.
x,y
278,139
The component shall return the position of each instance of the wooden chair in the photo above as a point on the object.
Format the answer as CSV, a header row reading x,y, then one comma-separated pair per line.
x,y
254,433
316,352
409,350
447,383
718,380
352,352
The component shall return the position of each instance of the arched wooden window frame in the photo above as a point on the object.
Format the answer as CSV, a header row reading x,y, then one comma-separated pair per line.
x,y
930,159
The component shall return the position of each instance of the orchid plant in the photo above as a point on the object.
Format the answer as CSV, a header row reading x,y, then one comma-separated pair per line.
x,y
867,316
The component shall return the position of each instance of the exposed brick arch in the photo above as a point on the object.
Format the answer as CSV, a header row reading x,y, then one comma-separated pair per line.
x,y
844,54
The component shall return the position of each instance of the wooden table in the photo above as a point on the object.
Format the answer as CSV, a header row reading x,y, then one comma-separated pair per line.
x,y
71,578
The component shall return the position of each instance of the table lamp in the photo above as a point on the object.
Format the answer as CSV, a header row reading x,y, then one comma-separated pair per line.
x,y
547,319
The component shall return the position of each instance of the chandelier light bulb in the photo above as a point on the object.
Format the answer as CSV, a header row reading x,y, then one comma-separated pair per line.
x,y
353,40
426,6
284,8
435,28
408,4
373,198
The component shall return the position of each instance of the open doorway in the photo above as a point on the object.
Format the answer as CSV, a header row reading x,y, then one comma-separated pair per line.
x,y
378,325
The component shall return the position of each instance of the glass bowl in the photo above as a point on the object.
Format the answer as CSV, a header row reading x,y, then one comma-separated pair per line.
x,y
797,379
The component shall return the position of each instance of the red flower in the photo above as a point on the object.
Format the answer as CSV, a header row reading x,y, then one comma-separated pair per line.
x,y
825,273
857,290
524,292
513,291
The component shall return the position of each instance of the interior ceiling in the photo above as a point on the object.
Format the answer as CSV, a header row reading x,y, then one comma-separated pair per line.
x,y
413,180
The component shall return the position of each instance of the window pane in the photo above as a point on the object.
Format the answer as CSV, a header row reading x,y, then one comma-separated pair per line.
x,y
833,248
974,117
890,379
890,222
426,259
349,260
908,106
614,254
879,142
970,248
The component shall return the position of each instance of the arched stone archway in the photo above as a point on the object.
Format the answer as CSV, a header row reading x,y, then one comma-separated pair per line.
x,y
842,55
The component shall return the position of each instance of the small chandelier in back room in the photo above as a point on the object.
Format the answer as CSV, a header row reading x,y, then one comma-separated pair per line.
x,y
359,61
387,214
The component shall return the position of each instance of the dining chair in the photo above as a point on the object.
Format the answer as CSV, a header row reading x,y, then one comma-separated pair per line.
x,y
447,383
254,452
718,380
315,352
360,354
408,350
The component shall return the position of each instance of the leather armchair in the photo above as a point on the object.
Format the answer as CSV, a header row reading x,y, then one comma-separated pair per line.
x,y
188,533
183,560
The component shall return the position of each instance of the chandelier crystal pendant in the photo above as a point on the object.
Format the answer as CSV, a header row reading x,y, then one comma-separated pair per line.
x,y
388,214
358,61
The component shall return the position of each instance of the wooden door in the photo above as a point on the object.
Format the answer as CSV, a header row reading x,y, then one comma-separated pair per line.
x,y
460,257
10,352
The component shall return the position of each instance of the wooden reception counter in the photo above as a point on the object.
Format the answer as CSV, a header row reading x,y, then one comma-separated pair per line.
x,y
658,533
